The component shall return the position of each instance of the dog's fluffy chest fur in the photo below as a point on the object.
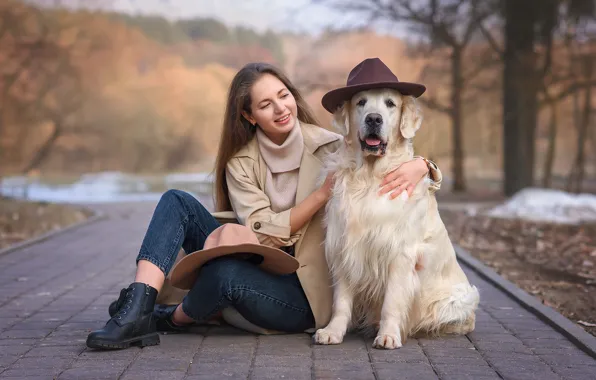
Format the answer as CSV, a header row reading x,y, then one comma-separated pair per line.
x,y
370,233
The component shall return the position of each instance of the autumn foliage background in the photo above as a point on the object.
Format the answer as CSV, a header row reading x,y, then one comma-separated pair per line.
x,y
88,91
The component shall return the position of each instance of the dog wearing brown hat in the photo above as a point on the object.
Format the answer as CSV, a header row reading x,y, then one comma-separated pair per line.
x,y
393,266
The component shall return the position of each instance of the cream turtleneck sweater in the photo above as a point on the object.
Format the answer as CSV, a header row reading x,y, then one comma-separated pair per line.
x,y
283,164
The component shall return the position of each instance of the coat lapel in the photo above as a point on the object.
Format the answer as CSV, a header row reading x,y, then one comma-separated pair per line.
x,y
310,166
310,169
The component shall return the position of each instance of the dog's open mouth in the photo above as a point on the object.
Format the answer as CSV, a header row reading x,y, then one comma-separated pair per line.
x,y
373,144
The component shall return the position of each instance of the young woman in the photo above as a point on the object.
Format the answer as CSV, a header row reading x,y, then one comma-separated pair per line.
x,y
269,158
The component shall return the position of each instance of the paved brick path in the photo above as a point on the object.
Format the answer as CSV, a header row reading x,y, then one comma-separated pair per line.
x,y
53,293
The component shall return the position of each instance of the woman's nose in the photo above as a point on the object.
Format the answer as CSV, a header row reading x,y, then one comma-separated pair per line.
x,y
279,107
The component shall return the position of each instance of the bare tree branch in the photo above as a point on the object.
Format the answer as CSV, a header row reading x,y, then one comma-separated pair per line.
x,y
481,66
491,40
435,105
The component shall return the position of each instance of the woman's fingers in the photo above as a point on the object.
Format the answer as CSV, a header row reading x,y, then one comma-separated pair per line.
x,y
391,176
400,189
393,185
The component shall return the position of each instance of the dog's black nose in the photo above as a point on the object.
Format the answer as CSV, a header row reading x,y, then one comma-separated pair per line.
x,y
373,120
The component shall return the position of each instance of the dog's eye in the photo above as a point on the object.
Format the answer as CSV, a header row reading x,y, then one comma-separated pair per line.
x,y
389,103
362,102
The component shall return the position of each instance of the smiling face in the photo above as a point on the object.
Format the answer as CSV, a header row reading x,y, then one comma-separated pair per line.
x,y
273,108
374,116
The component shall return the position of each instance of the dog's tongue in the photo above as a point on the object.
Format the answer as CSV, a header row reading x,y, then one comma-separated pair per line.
x,y
372,141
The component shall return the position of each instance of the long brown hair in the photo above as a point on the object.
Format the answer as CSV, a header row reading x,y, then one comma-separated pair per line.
x,y
237,131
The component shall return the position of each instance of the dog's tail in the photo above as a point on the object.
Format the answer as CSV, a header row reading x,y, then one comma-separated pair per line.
x,y
450,309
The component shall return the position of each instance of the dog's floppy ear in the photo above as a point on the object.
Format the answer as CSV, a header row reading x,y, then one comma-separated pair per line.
x,y
340,119
411,118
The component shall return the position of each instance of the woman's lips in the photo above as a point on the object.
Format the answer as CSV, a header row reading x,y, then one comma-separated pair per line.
x,y
283,120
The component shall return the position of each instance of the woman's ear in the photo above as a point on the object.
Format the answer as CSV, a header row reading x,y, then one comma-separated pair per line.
x,y
250,119
340,121
411,118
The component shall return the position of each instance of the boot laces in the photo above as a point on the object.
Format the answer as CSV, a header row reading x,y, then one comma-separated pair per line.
x,y
125,306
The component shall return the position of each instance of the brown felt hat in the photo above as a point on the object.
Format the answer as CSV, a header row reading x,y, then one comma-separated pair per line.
x,y
228,239
368,74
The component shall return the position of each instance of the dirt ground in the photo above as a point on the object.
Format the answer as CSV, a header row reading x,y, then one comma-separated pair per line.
x,y
21,220
556,263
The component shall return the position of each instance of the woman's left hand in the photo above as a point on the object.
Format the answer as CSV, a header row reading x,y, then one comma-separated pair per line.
x,y
405,177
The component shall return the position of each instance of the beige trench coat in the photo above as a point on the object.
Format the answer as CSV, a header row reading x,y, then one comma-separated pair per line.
x,y
246,175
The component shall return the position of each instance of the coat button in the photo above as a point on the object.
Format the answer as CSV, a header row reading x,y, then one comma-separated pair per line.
x,y
257,225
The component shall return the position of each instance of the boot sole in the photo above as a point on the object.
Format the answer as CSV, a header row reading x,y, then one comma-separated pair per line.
x,y
141,341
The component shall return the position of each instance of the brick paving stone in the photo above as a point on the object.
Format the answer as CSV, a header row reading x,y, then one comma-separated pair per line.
x,y
223,369
297,373
6,360
30,333
57,291
29,372
153,375
7,322
114,365
577,372
279,361
90,374
446,371
344,365
16,349
578,359
410,352
325,374
401,370
159,364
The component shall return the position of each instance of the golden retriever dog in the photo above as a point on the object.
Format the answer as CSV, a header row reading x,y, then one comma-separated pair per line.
x,y
393,266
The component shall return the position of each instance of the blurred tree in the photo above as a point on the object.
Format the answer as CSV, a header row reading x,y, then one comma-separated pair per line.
x,y
450,24
246,36
582,16
50,87
42,82
521,83
161,29
155,27
529,27
586,67
80,91
34,62
569,77
274,44
205,29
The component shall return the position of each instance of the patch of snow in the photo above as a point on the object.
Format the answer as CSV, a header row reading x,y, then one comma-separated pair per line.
x,y
189,177
547,205
104,187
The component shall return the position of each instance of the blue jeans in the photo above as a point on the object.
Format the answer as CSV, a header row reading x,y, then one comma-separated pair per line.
x,y
270,301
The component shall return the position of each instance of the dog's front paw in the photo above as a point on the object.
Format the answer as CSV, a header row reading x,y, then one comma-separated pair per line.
x,y
387,341
328,336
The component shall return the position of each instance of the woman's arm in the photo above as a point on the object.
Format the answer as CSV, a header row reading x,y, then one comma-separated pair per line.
x,y
253,207
304,211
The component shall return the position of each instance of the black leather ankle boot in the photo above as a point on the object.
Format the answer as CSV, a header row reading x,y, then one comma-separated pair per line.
x,y
133,322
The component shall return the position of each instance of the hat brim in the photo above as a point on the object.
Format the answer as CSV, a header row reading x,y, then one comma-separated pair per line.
x,y
185,272
334,98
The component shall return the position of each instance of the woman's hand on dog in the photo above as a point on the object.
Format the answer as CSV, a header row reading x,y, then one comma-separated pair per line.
x,y
405,177
327,187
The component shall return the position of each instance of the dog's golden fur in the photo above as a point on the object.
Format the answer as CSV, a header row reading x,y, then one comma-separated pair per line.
x,y
392,263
